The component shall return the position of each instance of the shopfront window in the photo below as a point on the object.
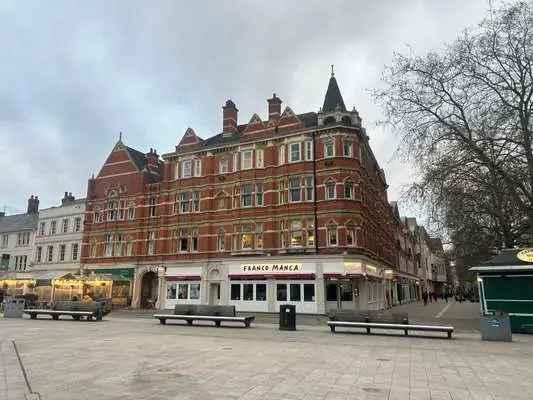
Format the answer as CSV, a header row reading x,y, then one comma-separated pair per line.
x,y
281,290
296,294
260,292
346,291
235,291
183,292
248,292
194,292
331,291
171,291
309,292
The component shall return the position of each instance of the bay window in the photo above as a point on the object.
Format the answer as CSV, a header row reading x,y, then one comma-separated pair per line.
x,y
223,166
329,149
347,149
197,167
259,194
246,195
348,190
310,233
296,234
295,190
308,188
330,190
332,235
259,158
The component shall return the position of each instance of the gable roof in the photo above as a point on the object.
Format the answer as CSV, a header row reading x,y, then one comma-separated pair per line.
x,y
333,96
18,222
138,158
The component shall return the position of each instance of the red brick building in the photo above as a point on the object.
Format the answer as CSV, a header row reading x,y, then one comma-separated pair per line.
x,y
292,208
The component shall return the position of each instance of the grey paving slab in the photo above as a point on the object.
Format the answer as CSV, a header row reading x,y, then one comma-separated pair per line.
x,y
136,358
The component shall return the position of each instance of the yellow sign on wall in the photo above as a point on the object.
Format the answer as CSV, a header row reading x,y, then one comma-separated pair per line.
x,y
526,255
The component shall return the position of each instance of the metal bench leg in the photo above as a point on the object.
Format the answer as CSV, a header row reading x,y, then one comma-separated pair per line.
x,y
368,329
332,327
162,321
189,322
247,324
449,334
33,316
406,332
55,317
217,324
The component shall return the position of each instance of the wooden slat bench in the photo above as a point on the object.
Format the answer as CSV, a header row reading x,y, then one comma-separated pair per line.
x,y
74,309
381,320
216,314
402,327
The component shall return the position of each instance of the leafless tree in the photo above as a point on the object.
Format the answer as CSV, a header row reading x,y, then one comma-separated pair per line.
x,y
465,116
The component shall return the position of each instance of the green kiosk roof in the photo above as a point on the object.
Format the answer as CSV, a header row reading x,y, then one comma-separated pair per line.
x,y
508,260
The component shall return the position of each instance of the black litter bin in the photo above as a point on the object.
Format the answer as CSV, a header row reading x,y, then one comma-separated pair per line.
x,y
287,317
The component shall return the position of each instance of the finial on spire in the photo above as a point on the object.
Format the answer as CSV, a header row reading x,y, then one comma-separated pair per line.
x,y
332,70
120,137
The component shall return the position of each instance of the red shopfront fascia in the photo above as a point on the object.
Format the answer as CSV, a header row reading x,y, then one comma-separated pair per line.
x,y
278,277
183,278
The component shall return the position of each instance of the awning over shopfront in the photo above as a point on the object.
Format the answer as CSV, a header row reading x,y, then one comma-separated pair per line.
x,y
116,274
46,278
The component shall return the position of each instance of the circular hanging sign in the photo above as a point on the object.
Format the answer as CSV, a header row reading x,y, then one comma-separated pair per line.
x,y
526,255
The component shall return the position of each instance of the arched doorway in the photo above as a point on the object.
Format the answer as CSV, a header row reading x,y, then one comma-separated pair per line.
x,y
149,290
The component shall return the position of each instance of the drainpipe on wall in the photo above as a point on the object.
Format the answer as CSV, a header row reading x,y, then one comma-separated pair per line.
x,y
315,193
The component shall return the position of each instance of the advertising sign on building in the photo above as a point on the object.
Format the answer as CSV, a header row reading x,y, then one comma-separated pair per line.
x,y
271,268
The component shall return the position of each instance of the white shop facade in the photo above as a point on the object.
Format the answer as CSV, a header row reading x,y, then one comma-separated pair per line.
x,y
315,285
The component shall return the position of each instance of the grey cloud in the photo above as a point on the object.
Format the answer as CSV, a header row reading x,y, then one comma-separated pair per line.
x,y
74,74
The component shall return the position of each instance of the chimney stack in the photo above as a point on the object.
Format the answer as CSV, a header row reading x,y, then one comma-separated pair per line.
x,y
151,158
33,205
67,198
229,118
274,108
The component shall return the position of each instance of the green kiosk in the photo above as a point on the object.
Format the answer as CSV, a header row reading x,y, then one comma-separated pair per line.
x,y
505,284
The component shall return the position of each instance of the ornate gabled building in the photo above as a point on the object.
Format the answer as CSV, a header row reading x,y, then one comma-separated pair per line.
x,y
292,208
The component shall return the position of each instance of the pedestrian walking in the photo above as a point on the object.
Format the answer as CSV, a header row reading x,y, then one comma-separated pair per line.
x,y
425,298
446,297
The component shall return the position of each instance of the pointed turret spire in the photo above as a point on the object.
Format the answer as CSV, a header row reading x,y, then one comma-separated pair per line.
x,y
333,100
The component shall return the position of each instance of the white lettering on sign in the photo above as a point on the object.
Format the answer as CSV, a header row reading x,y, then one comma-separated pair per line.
x,y
282,268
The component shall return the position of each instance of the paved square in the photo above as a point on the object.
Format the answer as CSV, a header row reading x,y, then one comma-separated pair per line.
x,y
136,358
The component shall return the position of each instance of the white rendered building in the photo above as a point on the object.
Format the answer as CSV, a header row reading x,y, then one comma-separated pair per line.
x,y
59,236
17,234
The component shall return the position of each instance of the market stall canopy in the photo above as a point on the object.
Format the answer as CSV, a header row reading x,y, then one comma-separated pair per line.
x,y
508,260
46,278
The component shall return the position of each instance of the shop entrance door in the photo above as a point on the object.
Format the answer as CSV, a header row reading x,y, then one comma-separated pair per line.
x,y
214,294
149,290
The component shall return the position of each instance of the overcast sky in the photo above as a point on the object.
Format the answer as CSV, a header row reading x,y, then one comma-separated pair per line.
x,y
73,74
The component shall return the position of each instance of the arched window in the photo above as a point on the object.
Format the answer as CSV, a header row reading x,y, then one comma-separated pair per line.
x,y
329,120
346,120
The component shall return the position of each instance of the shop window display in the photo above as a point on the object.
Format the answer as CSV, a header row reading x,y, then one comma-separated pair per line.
x,y
171,291
183,292
281,290
295,294
248,292
309,292
235,291
260,292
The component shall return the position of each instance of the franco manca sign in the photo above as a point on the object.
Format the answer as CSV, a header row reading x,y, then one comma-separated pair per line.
x,y
271,268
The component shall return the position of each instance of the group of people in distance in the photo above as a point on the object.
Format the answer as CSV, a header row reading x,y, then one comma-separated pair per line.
x,y
432,296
